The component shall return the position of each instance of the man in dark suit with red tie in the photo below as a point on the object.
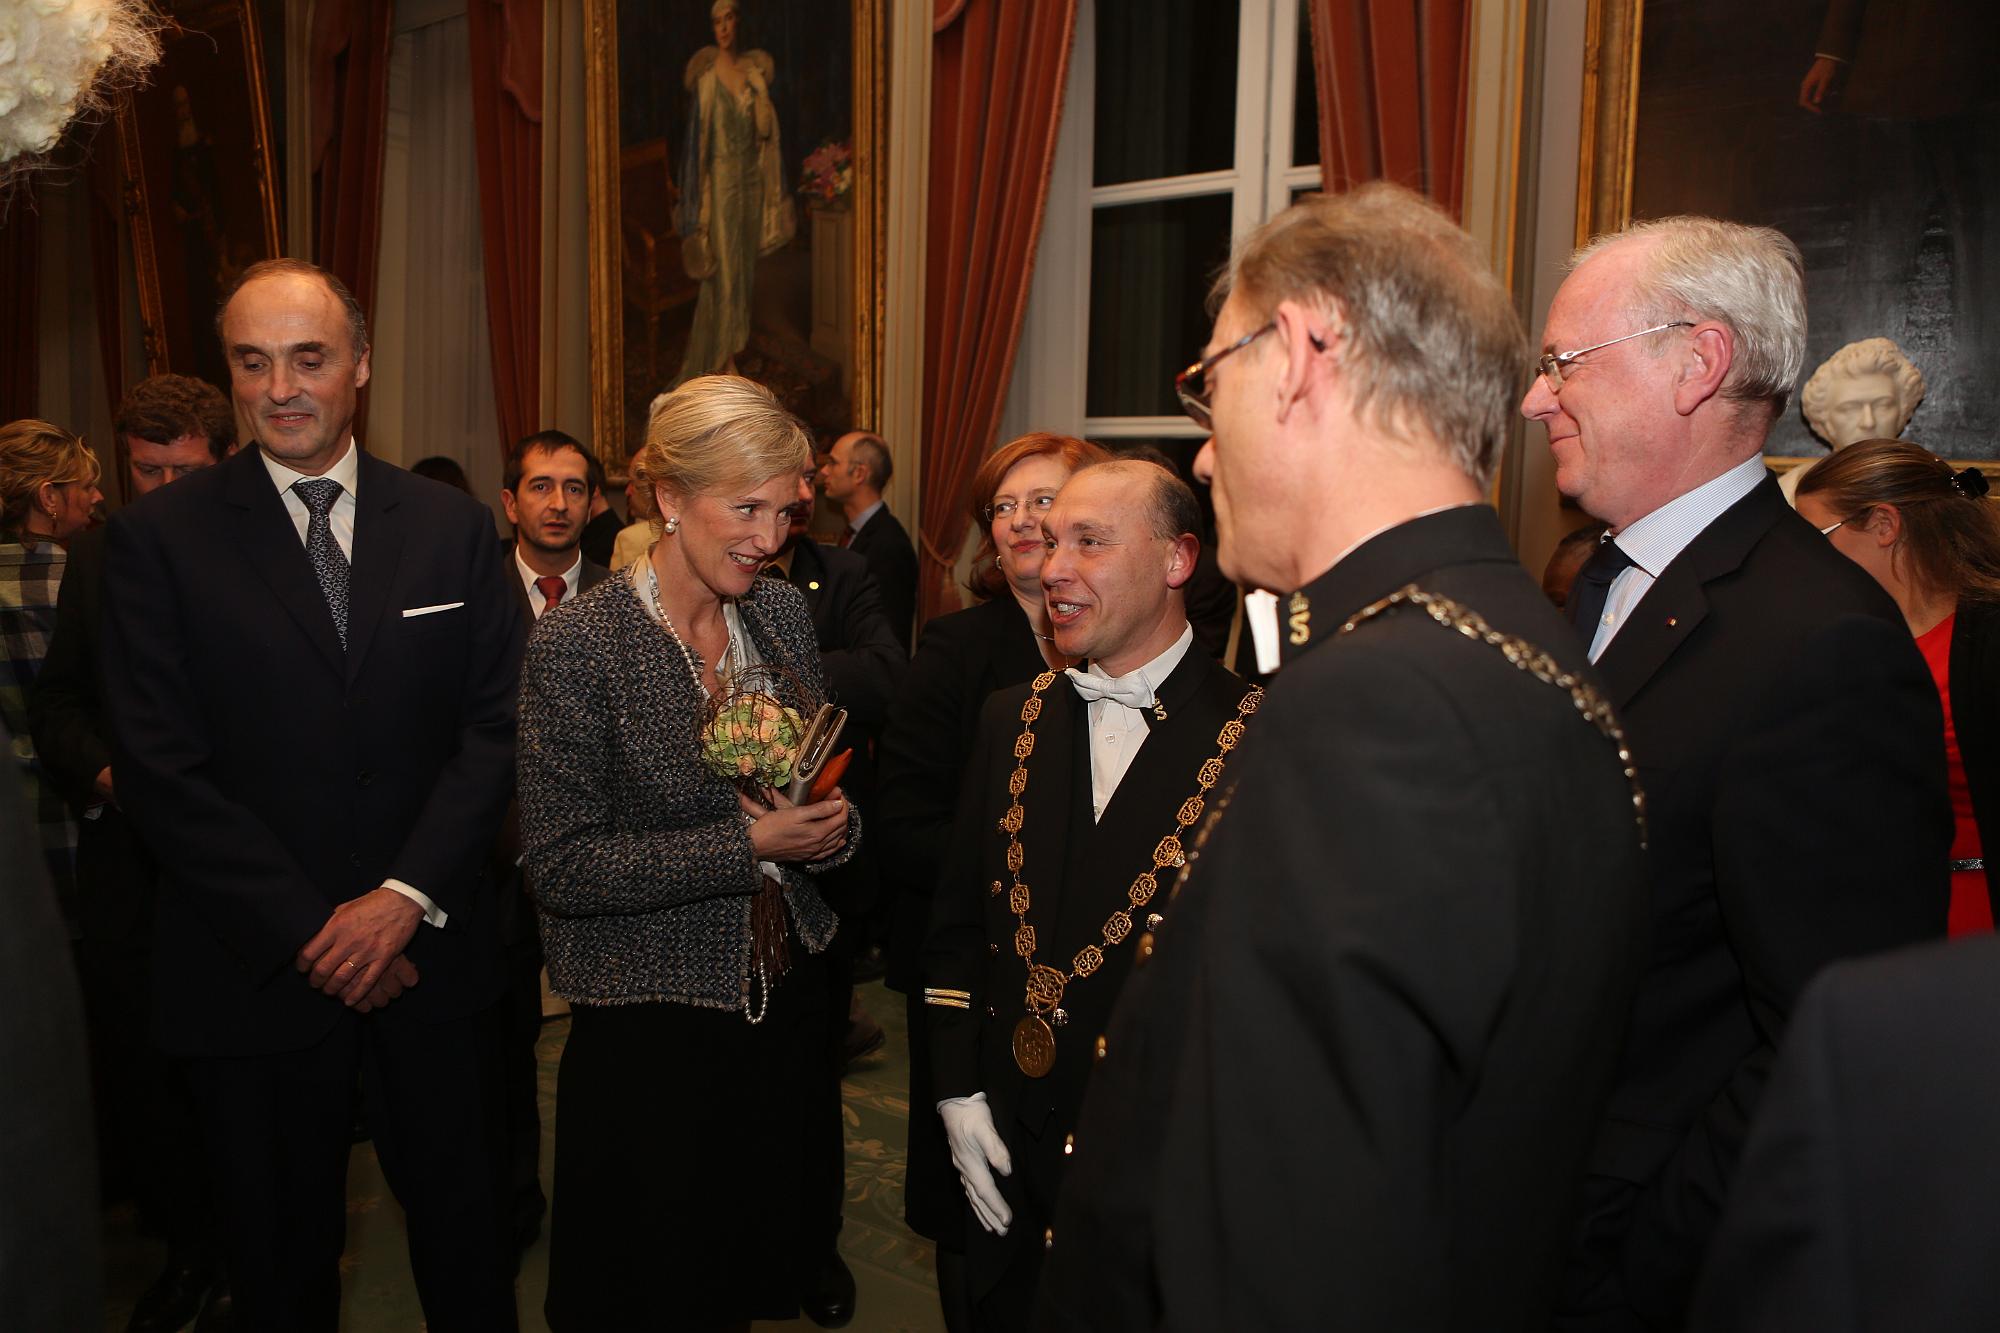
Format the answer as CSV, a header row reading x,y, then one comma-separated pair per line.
x,y
548,486
1784,726
310,665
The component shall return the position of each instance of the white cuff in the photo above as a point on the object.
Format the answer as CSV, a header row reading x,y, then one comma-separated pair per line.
x,y
433,914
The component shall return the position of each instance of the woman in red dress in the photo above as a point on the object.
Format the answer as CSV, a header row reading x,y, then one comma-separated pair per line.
x,y
1931,538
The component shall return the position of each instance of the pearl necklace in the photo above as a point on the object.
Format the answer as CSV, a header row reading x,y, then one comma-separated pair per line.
x,y
688,655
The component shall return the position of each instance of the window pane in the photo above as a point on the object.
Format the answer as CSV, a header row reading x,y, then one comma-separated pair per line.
x,y
1150,267
1166,88
1305,96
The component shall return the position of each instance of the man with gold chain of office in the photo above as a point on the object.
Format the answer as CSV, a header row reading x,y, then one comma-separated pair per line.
x,y
1082,787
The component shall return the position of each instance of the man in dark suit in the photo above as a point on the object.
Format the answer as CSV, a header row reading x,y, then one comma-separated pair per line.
x,y
857,470
310,663
1775,705
1121,755
1353,1083
546,492
172,426
1867,1197
865,663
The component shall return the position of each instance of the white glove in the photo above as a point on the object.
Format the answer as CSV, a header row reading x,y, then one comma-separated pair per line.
x,y
976,1146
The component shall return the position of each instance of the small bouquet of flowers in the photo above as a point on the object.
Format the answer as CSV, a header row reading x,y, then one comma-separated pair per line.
x,y
751,739
829,172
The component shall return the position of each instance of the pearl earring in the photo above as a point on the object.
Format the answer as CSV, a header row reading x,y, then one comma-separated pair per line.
x,y
673,525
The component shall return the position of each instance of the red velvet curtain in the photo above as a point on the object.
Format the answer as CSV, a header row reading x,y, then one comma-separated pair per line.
x,y
1392,77
20,309
996,101
350,109
507,124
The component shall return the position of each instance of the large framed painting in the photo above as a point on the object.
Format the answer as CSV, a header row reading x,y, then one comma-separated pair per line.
x,y
200,179
735,205
1865,130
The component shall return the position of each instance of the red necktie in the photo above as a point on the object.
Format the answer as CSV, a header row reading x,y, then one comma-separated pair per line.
x,y
551,587
848,535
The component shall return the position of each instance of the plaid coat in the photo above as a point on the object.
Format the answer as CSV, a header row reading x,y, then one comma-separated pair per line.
x,y
30,576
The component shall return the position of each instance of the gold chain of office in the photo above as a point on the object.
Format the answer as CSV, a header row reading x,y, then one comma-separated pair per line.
x,y
1592,706
1034,1040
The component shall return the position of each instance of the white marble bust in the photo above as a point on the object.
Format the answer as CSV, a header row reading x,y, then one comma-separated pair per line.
x,y
1865,391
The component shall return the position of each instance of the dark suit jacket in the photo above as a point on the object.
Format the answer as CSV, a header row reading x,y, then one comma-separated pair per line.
x,y
114,872
1354,1084
600,535
865,661
589,577
1791,746
1975,721
962,658
1079,871
275,776
51,1273
885,545
1869,1193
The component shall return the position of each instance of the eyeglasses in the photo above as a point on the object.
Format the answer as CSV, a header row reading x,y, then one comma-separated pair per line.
x,y
1191,385
1552,363
1005,508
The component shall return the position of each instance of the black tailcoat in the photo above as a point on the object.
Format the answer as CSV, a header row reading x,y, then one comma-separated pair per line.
x,y
1354,1083
1078,872
1791,745
962,658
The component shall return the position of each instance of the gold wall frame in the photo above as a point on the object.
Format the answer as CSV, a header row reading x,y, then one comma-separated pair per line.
x,y
200,180
611,161
1609,163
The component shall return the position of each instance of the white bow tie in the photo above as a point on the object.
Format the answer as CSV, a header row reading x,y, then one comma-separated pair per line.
x,y
1130,690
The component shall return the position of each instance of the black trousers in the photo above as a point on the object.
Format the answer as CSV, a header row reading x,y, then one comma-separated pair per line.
x,y
276,1129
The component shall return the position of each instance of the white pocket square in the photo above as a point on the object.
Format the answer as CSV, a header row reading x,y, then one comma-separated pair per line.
x,y
431,610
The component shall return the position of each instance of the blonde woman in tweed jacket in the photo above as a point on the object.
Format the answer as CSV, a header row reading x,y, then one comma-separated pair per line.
x,y
679,919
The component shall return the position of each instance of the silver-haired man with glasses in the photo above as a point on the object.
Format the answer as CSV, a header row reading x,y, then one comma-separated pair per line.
x,y
1352,1078
1791,753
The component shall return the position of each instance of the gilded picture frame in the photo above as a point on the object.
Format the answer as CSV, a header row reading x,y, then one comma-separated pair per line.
x,y
1661,77
200,180
815,315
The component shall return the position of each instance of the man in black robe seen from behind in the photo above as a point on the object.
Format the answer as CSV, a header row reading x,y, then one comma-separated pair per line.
x,y
1354,1082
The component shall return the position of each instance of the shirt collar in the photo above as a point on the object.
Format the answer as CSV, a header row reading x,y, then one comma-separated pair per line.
x,y
347,471
1654,541
860,520
1155,672
571,576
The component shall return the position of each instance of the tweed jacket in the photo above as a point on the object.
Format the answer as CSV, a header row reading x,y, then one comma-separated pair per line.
x,y
638,856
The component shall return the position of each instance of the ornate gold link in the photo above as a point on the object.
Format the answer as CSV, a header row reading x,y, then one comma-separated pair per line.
x,y
1045,984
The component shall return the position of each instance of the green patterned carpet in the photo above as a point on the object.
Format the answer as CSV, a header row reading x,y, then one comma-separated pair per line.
x,y
892,1267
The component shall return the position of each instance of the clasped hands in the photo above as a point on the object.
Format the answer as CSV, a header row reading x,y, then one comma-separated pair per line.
x,y
977,1152
357,956
781,831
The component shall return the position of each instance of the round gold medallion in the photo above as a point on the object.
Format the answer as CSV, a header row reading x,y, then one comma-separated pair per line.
x,y
1034,1047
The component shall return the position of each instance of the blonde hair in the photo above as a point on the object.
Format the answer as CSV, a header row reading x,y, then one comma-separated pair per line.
x,y
34,454
719,432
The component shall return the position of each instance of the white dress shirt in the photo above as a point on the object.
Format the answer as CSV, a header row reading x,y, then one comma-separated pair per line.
x,y
1118,730
1653,541
341,520
571,577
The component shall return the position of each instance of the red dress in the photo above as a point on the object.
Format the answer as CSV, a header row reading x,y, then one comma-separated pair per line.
x,y
1971,907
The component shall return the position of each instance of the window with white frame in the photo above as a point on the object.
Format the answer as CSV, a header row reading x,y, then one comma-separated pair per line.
x,y
1186,123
